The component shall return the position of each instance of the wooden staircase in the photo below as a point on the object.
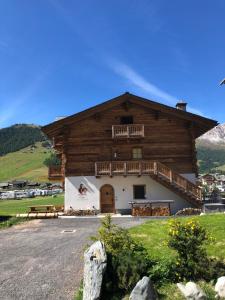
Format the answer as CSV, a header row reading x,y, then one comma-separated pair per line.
x,y
178,184
156,170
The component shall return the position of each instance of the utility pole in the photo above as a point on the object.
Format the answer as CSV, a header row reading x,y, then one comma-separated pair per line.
x,y
222,82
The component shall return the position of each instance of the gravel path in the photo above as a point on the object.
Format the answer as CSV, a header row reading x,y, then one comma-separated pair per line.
x,y
39,261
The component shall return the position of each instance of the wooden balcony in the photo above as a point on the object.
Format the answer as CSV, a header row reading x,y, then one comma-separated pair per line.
x,y
128,131
124,168
157,170
55,173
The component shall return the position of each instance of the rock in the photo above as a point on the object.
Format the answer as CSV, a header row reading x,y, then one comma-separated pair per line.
x,y
191,291
143,290
95,261
220,287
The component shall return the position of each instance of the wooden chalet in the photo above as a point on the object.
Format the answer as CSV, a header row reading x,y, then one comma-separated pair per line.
x,y
128,149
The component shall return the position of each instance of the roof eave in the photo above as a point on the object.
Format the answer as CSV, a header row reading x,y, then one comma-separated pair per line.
x,y
54,127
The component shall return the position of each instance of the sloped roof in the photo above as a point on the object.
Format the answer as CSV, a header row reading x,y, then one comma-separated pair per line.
x,y
204,124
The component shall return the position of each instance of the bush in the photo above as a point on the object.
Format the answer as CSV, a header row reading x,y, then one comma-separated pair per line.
x,y
189,239
163,271
52,160
216,268
127,261
130,267
115,238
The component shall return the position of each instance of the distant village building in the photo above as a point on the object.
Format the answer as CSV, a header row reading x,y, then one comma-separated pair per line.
x,y
19,183
208,179
128,149
4,185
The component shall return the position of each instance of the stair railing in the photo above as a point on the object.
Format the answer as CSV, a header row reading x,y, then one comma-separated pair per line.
x,y
179,181
140,168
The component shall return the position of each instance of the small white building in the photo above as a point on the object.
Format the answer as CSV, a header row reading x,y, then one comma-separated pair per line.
x,y
128,149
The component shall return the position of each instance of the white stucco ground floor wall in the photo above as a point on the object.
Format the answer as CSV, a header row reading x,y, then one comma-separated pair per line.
x,y
123,191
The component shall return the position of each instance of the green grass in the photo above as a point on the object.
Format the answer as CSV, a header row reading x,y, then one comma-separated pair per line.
x,y
221,168
25,164
12,221
154,234
171,291
13,207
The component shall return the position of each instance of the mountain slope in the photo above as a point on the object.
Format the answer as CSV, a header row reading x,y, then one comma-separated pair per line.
x,y
214,136
27,163
211,150
18,137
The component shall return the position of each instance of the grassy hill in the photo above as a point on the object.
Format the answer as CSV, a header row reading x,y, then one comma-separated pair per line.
x,y
19,136
26,163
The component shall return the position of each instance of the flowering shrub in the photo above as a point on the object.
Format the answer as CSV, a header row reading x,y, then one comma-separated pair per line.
x,y
127,260
189,239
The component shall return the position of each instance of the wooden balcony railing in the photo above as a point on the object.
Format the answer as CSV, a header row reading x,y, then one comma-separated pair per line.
x,y
55,173
124,168
139,168
178,180
128,131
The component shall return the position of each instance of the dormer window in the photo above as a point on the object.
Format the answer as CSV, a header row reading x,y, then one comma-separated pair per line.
x,y
126,120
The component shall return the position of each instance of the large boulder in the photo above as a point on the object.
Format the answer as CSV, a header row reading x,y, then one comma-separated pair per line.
x,y
143,290
220,287
95,261
191,291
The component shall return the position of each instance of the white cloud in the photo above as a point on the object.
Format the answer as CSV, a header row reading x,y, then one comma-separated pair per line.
x,y
141,83
14,106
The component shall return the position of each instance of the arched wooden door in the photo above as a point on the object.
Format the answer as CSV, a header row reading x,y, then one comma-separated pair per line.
x,y
107,202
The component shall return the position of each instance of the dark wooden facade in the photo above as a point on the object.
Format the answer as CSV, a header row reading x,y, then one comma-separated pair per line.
x,y
167,136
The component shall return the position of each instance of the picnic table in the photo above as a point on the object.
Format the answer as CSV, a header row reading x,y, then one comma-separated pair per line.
x,y
41,208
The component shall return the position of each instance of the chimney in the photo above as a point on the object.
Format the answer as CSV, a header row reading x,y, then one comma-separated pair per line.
x,y
181,105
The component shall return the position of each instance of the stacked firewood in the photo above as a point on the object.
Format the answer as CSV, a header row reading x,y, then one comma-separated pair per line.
x,y
160,211
141,211
81,212
150,211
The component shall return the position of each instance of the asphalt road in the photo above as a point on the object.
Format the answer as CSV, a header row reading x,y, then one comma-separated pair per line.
x,y
40,261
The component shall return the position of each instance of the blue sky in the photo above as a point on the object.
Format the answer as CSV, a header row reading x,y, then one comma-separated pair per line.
x,y
58,57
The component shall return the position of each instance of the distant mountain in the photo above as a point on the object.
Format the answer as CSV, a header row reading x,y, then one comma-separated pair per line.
x,y
211,150
18,137
214,136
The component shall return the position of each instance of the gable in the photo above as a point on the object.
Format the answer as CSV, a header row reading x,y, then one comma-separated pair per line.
x,y
127,102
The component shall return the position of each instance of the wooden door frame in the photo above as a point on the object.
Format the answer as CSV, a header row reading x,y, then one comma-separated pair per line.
x,y
114,209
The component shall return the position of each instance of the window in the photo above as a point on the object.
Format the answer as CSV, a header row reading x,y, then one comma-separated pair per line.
x,y
137,153
139,191
126,120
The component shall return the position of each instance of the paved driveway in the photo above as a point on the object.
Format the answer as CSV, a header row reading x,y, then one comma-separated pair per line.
x,y
38,261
